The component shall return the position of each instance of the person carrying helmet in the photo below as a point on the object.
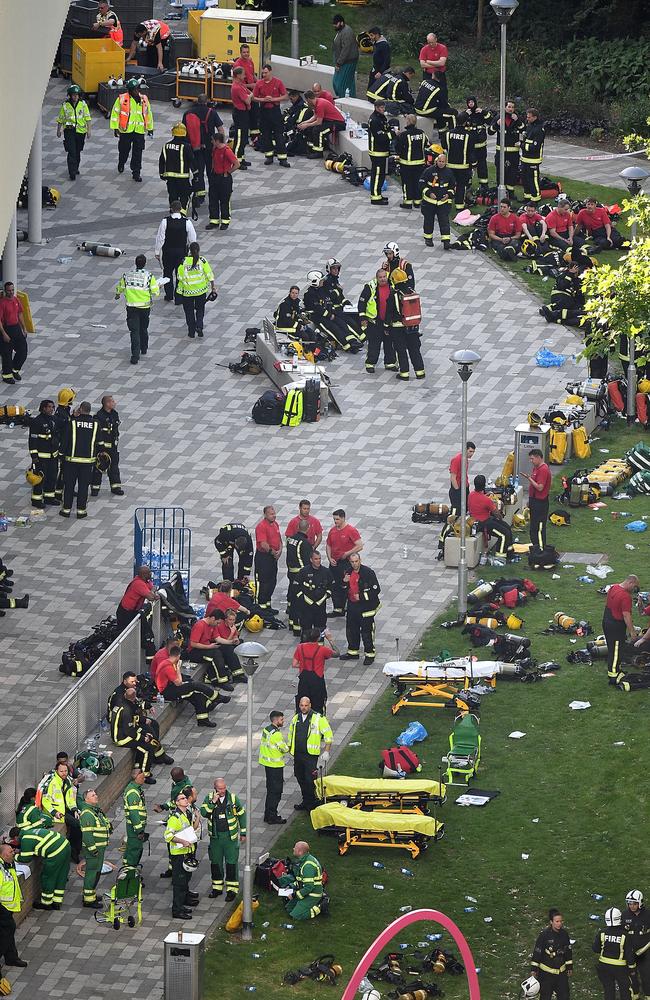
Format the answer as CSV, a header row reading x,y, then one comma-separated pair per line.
x,y
139,288
437,187
108,439
108,23
131,117
79,450
338,299
379,140
181,852
322,314
74,118
224,163
616,959
226,818
156,37
195,276
552,960
636,924
44,453
177,167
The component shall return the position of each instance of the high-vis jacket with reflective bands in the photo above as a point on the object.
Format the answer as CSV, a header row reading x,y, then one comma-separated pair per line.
x,y
178,821
74,116
10,895
552,952
369,591
31,816
532,144
411,146
437,185
293,408
194,279
478,125
460,148
427,98
391,87
234,810
135,808
378,135
177,159
95,828
298,554
287,316
308,874
319,730
314,585
614,948
272,747
130,115
42,844
43,440
80,445
59,796
138,287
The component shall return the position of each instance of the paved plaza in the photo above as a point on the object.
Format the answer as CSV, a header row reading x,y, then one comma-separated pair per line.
x,y
188,440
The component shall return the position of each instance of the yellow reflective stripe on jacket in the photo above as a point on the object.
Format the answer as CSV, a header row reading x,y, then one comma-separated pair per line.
x,y
194,279
10,895
371,304
272,748
319,729
547,968
235,814
81,460
135,809
621,954
95,827
310,877
74,116
138,288
293,408
177,821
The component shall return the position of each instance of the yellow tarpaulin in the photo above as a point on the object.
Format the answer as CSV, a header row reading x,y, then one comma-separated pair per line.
x,y
333,814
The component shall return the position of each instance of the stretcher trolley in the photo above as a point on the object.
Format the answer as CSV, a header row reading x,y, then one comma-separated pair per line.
x,y
377,794
124,901
357,828
417,680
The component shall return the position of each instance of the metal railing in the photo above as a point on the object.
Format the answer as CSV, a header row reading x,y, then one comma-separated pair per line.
x,y
162,542
77,717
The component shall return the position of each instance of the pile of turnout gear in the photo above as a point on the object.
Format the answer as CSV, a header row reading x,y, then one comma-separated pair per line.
x,y
408,982
80,655
297,403
634,672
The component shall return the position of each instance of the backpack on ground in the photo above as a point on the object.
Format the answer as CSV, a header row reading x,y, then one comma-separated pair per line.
x,y
400,759
545,558
269,408
311,401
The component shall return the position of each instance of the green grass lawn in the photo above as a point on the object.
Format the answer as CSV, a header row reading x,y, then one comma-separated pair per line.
x,y
585,792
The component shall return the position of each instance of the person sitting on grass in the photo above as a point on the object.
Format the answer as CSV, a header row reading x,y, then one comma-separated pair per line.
x,y
594,222
504,231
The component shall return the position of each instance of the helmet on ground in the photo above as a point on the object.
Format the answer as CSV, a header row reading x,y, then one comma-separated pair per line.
x,y
529,248
254,623
561,518
103,461
73,89
179,129
65,396
613,917
520,520
132,84
643,385
534,419
634,896
190,864
514,622
393,247
531,987
315,277
332,262
33,476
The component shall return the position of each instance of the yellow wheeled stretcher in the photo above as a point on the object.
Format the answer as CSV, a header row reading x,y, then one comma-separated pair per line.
x,y
358,828
416,681
395,794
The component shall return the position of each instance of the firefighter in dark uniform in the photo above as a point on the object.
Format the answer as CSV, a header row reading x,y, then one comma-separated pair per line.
x,y
478,122
445,119
379,138
427,99
62,416
377,310
287,316
616,960
177,166
411,147
44,453
79,449
393,261
126,732
552,961
513,125
313,588
320,311
233,538
362,606
460,154
567,297
299,553
636,924
338,299
532,153
617,623
297,112
406,339
437,185
108,420
394,88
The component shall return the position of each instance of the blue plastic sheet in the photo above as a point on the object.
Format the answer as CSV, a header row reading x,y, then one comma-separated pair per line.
x,y
636,526
548,359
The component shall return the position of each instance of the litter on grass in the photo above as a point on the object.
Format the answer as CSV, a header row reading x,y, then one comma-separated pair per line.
x,y
630,548
525,857
536,820
517,735
355,744
619,743
578,705
600,571
599,520
636,526
487,920
470,899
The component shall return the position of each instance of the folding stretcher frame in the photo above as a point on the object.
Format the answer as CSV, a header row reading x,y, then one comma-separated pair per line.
x,y
414,682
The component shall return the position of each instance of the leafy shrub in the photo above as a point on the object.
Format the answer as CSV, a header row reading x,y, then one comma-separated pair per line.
x,y
621,68
631,115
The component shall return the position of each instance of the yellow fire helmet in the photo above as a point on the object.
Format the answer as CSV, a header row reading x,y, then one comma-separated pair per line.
x,y
514,622
436,148
66,396
520,520
179,129
534,419
33,476
254,623
398,276
643,385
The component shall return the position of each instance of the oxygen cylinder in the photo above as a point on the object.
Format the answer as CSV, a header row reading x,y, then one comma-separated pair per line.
x,y
518,640
481,592
584,492
598,647
564,621
441,510
575,493
100,249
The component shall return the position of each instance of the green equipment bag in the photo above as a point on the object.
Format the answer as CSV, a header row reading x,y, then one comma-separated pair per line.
x,y
639,456
92,760
640,482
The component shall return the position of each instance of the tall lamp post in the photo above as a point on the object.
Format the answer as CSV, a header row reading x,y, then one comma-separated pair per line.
x,y
295,32
250,653
465,362
504,9
634,177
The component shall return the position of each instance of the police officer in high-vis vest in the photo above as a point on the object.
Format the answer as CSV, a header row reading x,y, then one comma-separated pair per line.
x,y
177,167
44,453
181,853
74,118
96,828
139,288
616,960
307,731
227,828
135,814
411,147
79,450
131,118
273,750
195,277
10,902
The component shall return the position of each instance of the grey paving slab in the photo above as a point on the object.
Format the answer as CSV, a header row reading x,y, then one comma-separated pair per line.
x,y
188,439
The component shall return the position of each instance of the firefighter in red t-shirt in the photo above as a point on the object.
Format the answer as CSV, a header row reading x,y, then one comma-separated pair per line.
x,y
538,490
268,549
140,589
595,222
504,231
485,511
617,623
309,659
343,540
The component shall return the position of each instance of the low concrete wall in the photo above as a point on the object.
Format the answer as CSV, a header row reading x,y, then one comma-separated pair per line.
x,y
360,111
297,77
